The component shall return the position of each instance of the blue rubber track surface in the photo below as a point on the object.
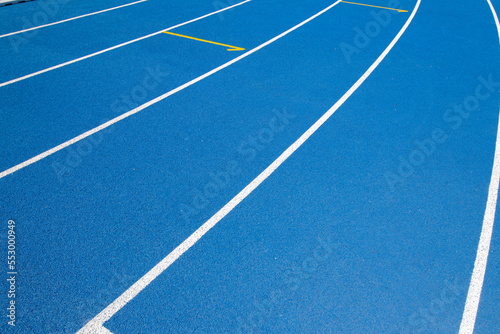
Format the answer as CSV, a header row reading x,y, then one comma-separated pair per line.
x,y
371,226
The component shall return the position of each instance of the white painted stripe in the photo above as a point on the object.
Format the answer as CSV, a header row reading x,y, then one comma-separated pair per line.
x,y
70,19
495,17
11,2
115,47
483,249
93,326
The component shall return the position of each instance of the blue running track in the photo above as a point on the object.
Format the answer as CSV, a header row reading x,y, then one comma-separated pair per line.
x,y
336,173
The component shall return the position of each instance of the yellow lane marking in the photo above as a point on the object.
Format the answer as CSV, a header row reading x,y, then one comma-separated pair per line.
x,y
231,48
362,4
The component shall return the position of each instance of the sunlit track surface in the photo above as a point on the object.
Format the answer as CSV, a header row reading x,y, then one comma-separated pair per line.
x,y
249,167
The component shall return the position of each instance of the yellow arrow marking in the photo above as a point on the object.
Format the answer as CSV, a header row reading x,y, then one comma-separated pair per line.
x,y
231,48
362,4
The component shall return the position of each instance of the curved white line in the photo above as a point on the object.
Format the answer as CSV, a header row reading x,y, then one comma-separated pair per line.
x,y
95,325
70,19
114,47
483,249
495,16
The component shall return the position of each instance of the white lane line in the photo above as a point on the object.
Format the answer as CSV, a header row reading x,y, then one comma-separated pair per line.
x,y
93,326
115,47
483,249
495,16
11,2
70,19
